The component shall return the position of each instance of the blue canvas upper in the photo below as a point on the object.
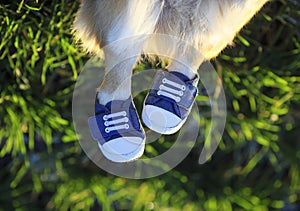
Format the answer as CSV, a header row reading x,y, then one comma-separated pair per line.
x,y
179,108
134,127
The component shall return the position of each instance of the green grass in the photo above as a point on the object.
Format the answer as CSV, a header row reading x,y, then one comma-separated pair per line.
x,y
43,167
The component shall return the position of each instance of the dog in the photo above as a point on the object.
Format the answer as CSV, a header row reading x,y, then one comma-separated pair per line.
x,y
186,32
208,25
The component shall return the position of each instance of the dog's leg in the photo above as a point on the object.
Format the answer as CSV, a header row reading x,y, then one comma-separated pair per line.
x,y
120,28
125,40
193,30
187,63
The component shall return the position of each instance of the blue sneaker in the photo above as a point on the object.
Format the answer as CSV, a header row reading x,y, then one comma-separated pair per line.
x,y
169,101
117,128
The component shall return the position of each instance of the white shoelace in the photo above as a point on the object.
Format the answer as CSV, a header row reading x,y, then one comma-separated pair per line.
x,y
124,119
170,91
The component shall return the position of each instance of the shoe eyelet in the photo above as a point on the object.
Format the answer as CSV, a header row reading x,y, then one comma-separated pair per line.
x,y
107,130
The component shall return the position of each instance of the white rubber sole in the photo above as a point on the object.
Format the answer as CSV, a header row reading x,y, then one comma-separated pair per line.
x,y
123,158
163,122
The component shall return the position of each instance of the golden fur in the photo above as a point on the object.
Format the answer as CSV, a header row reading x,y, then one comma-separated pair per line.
x,y
129,27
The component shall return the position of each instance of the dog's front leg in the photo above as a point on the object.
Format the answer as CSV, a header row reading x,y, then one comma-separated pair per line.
x,y
125,40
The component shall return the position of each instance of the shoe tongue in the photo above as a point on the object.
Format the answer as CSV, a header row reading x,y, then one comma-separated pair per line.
x,y
180,75
100,108
184,78
117,105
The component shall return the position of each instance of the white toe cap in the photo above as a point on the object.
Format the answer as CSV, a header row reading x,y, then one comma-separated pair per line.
x,y
160,119
123,149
